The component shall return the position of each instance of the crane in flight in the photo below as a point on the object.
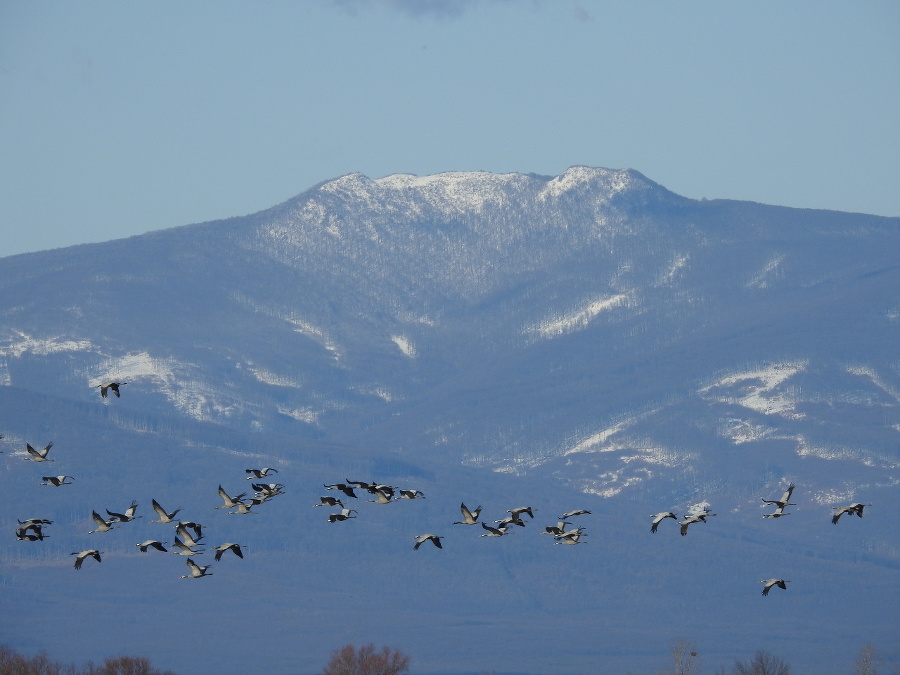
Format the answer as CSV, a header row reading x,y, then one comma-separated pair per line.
x,y
469,517
38,455
659,517
234,548
856,508
126,517
259,473
106,386
197,571
433,538
769,583
158,545
82,555
56,481
164,516
103,525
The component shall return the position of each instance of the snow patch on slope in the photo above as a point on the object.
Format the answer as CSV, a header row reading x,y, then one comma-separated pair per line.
x,y
876,379
578,319
759,390
770,272
21,343
178,382
404,345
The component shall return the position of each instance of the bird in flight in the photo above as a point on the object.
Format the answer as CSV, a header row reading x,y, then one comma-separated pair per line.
x,y
659,517
433,538
107,386
38,455
82,555
769,583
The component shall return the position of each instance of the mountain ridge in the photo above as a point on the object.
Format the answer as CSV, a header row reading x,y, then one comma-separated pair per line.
x,y
585,340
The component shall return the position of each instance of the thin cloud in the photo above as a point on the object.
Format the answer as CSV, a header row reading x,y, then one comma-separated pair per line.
x,y
441,9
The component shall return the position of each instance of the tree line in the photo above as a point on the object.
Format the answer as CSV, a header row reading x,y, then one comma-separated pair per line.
x,y
367,660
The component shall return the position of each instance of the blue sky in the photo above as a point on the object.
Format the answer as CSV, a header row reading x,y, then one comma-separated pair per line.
x,y
122,118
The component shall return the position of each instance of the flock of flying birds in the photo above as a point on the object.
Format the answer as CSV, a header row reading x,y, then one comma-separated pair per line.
x,y
189,536
780,506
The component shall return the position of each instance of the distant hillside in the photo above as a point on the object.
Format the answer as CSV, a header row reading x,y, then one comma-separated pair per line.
x,y
589,340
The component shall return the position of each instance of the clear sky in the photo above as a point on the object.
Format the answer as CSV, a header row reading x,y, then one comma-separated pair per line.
x,y
117,118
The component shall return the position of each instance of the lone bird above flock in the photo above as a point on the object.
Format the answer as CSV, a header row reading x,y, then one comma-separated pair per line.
x,y
259,473
659,517
55,481
781,583
433,538
576,512
38,455
197,571
856,508
469,517
87,553
106,386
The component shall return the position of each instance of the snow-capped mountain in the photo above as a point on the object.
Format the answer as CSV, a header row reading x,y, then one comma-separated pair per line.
x,y
590,338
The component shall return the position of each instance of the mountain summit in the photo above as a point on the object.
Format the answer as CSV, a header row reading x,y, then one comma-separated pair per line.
x,y
589,339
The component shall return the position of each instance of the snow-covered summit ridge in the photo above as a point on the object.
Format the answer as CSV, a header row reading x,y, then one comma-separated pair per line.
x,y
472,190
